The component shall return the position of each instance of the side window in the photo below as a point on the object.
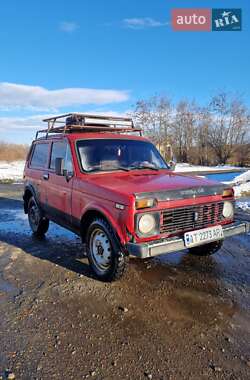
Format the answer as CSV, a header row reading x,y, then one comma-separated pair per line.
x,y
61,149
68,165
40,156
58,151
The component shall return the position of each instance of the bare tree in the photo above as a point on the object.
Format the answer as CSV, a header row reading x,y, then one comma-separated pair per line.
x,y
204,121
205,135
242,155
184,129
229,127
154,117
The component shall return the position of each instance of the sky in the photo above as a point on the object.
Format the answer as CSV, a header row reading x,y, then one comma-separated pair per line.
x,y
102,56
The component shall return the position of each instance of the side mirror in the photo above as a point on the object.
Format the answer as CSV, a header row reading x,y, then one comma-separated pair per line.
x,y
59,163
172,165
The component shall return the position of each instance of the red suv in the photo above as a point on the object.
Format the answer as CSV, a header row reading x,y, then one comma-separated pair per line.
x,y
98,177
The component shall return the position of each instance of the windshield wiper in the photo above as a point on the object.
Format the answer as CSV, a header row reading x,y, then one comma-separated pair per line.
x,y
143,167
100,169
121,168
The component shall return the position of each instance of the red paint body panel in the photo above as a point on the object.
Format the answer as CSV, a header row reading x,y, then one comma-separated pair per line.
x,y
101,192
141,181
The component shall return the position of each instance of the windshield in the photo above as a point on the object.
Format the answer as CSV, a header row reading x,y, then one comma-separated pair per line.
x,y
115,154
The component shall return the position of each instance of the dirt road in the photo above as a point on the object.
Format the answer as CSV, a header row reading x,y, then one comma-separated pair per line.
x,y
178,317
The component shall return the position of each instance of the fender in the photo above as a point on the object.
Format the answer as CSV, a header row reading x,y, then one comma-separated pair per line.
x,y
29,187
106,213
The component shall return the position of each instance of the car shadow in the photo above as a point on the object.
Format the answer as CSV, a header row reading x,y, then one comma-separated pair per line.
x,y
60,247
64,253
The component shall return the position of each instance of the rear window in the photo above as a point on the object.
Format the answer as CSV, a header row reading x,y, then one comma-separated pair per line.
x,y
40,156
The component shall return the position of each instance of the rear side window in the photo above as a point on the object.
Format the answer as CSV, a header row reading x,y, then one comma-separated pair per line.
x,y
40,156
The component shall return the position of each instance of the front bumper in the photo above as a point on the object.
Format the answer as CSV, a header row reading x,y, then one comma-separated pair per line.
x,y
159,247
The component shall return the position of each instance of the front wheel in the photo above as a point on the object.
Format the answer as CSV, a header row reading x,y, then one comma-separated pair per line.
x,y
38,224
206,249
105,256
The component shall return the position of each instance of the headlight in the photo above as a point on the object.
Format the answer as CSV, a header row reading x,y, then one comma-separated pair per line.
x,y
228,210
147,224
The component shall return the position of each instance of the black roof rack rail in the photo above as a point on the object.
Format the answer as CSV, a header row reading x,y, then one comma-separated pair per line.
x,y
80,122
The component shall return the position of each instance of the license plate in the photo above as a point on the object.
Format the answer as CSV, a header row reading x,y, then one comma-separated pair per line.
x,y
205,235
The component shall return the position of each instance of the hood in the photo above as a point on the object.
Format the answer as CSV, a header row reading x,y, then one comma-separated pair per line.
x,y
162,185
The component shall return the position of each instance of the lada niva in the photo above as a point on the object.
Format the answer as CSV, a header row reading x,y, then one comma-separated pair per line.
x,y
100,178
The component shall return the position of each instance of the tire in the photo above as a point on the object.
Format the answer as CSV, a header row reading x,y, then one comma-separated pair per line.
x,y
206,249
105,255
38,223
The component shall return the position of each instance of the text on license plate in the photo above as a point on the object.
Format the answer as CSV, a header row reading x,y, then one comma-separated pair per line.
x,y
205,235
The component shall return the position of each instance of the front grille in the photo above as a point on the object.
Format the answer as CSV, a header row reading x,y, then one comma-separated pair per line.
x,y
193,217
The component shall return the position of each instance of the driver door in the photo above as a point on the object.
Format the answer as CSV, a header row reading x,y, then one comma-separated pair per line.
x,y
59,189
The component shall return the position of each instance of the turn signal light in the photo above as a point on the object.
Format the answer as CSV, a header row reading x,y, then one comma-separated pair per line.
x,y
228,193
144,203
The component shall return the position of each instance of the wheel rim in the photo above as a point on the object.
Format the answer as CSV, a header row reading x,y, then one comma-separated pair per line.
x,y
100,249
34,216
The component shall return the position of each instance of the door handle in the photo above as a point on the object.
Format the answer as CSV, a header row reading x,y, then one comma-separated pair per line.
x,y
46,176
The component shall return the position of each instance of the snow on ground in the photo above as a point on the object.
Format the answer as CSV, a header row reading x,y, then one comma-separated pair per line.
x,y
11,171
242,178
14,170
242,189
185,167
245,206
241,184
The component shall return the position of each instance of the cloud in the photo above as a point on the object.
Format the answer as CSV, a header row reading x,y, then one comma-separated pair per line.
x,y
39,98
68,27
35,122
21,123
142,23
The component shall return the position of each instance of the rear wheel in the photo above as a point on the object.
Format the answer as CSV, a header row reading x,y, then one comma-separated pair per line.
x,y
206,249
105,256
38,224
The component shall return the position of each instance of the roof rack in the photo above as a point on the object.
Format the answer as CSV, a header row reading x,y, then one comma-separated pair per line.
x,y
80,122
